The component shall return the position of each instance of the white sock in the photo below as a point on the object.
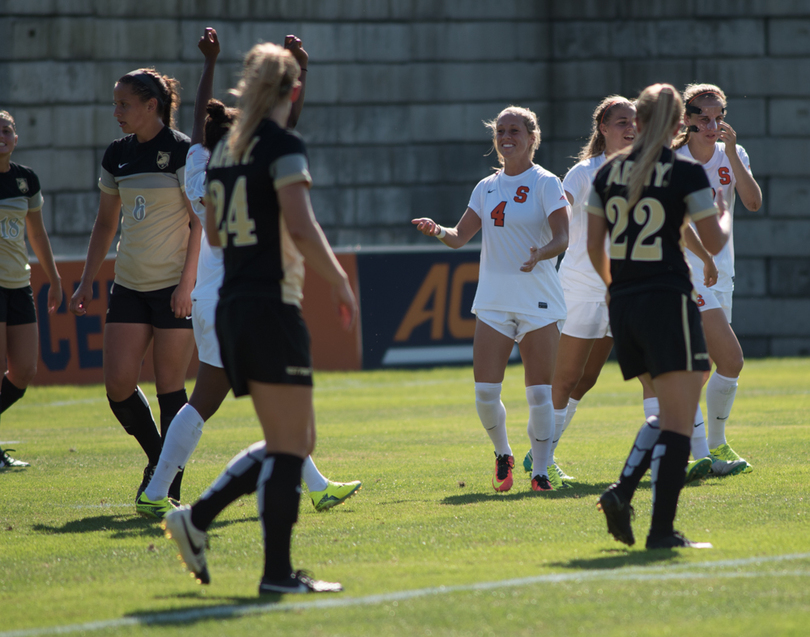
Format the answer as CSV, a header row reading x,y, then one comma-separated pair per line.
x,y
651,407
492,413
569,415
700,448
559,428
314,479
720,393
541,427
181,441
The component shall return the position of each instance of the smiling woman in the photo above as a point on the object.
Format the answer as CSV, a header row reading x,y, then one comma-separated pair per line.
x,y
522,213
142,182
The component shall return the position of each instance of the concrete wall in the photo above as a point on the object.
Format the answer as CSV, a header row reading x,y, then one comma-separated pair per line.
x,y
397,91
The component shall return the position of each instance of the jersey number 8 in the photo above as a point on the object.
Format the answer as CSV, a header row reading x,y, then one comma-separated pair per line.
x,y
237,222
647,213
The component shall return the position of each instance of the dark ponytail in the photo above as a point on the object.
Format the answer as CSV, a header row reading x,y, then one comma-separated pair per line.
x,y
217,122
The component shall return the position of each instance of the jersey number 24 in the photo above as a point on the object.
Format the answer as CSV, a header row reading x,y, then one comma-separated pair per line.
x,y
236,222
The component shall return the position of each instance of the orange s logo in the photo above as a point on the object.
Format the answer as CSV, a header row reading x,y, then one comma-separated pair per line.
x,y
725,178
520,196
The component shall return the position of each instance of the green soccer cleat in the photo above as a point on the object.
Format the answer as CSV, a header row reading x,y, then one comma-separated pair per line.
x,y
697,470
555,478
335,493
563,474
153,509
528,461
722,468
7,461
725,452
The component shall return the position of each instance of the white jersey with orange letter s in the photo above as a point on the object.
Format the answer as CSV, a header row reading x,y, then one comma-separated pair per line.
x,y
721,177
514,214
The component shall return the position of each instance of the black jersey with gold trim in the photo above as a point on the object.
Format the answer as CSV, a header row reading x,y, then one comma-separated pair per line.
x,y
149,177
259,256
646,248
20,194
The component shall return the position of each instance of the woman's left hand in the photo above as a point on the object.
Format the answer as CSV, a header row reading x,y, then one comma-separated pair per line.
x,y
54,297
528,266
728,136
181,300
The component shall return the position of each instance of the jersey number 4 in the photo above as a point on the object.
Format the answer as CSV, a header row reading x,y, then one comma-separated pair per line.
x,y
237,221
647,213
499,212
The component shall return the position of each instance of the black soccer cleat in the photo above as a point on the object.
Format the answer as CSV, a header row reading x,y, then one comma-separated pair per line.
x,y
147,477
619,512
298,582
674,541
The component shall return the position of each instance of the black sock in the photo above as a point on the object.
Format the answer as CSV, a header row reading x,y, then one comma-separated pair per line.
x,y
170,404
239,478
670,457
136,418
279,494
639,459
9,394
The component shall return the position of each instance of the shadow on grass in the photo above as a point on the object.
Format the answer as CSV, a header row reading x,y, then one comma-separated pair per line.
x,y
577,491
229,607
121,526
619,558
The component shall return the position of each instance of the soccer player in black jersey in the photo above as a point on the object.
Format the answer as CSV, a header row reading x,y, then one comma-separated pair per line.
x,y
142,185
641,199
20,213
258,209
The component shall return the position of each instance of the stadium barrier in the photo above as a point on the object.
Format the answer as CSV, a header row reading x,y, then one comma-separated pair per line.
x,y
414,311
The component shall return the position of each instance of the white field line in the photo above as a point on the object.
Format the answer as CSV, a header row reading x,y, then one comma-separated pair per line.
x,y
699,570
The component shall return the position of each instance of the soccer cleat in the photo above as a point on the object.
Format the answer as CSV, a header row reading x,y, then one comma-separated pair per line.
x,y
190,542
697,470
153,508
298,582
528,461
619,512
7,461
726,468
541,483
555,479
725,452
674,541
563,474
147,476
334,494
502,480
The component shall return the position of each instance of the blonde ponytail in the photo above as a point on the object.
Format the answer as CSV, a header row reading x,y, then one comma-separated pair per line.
x,y
268,76
658,111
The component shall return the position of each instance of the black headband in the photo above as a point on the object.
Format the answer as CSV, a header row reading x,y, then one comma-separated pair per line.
x,y
148,81
694,110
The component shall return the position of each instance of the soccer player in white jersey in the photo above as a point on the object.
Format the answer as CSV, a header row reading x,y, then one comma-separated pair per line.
x,y
586,340
710,140
522,213
212,384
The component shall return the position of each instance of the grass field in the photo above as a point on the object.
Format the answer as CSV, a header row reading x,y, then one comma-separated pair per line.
x,y
427,547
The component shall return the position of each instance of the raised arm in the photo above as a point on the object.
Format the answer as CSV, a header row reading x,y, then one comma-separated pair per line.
x,y
209,45
747,187
295,47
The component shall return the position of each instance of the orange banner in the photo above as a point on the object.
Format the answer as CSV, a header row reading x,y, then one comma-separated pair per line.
x,y
70,347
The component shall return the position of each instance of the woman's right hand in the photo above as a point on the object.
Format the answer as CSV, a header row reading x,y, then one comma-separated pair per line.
x,y
426,226
81,299
209,44
343,296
